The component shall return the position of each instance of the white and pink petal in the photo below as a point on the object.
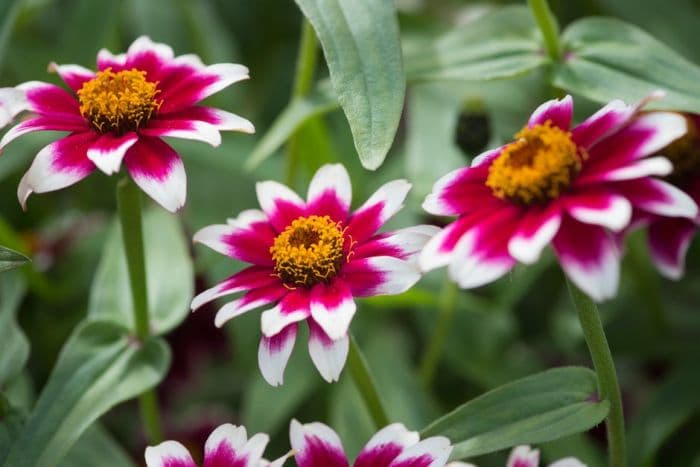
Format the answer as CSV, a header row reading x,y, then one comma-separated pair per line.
x,y
107,153
380,275
280,203
252,277
185,129
669,240
294,307
658,197
386,445
274,353
535,231
599,207
603,123
332,307
523,456
69,123
49,99
73,75
316,445
330,192
430,452
378,209
169,454
252,299
328,355
403,243
557,111
13,101
219,119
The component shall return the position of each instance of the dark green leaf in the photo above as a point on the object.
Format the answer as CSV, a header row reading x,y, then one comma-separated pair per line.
x,y
99,367
360,40
609,59
15,346
10,259
539,408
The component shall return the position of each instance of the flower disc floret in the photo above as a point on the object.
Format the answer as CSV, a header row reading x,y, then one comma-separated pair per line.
x,y
308,251
118,102
536,167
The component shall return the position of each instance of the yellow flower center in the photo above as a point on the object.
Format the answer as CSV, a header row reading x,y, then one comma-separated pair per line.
x,y
309,251
537,166
684,154
118,102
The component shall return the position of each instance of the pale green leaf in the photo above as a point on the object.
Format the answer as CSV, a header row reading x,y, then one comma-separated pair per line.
x,y
15,346
96,447
10,259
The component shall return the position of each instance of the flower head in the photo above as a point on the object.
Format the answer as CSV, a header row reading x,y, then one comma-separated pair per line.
x,y
554,184
316,445
227,445
524,456
309,260
120,113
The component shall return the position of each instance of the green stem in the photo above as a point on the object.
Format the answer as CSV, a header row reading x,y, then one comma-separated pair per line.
x,y
365,384
129,207
431,357
548,26
604,365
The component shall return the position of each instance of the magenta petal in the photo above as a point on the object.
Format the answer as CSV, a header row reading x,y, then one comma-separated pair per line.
x,y
669,240
385,446
316,445
186,129
199,84
220,119
151,57
602,123
274,353
45,123
403,243
249,278
600,207
330,192
247,238
73,75
280,203
380,275
380,207
658,197
228,446
431,452
252,299
49,99
460,192
105,59
294,307
559,112
535,231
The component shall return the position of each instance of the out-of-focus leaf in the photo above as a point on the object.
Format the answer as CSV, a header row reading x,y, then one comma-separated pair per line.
x,y
169,274
10,259
99,367
15,346
349,416
608,59
360,40
88,19
96,447
503,44
675,401
536,409
297,112
9,9
11,422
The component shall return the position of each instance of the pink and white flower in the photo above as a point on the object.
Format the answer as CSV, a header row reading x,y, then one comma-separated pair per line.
x,y
524,456
572,188
310,259
317,445
228,445
119,114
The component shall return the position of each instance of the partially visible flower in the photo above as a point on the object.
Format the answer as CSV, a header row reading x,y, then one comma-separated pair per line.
x,y
523,456
317,445
120,113
309,260
553,184
228,445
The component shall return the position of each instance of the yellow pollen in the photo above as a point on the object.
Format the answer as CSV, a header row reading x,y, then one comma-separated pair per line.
x,y
684,154
118,102
309,251
537,166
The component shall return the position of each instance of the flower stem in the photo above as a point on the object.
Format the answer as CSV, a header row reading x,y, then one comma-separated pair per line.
x,y
548,26
366,385
604,365
129,207
431,357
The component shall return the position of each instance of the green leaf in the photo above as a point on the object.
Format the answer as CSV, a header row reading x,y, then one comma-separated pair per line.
x,y
536,409
15,346
99,367
10,259
503,44
11,422
96,447
360,40
169,273
608,59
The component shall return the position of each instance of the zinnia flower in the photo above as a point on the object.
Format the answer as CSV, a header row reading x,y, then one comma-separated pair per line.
x,y
121,112
523,456
228,445
317,445
570,188
309,260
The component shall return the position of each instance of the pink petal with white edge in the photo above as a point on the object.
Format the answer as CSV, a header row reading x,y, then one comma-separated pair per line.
x,y
224,446
535,231
431,452
590,258
106,59
58,165
379,208
247,237
330,192
523,456
328,355
294,307
316,445
169,454
219,119
73,75
461,191
602,123
151,57
158,170
568,462
12,102
253,299
600,208
669,240
280,203
49,99
658,197
386,445
44,123
108,151
403,243
559,112
185,129
274,352
380,275
250,278
332,307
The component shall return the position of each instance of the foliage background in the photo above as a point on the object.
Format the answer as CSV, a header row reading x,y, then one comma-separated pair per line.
x,y
520,325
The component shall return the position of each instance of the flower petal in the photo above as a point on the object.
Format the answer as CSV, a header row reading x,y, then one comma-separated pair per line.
x,y
379,208
12,102
589,257
523,456
224,446
49,99
105,59
403,243
332,307
386,445
169,454
658,197
535,231
73,75
460,192
58,165
158,170
329,355
280,203
252,299
316,445
185,129
250,278
599,207
669,240
294,307
380,275
151,57
274,352
219,119
559,112
568,462
108,151
330,192
602,123
44,123
431,452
